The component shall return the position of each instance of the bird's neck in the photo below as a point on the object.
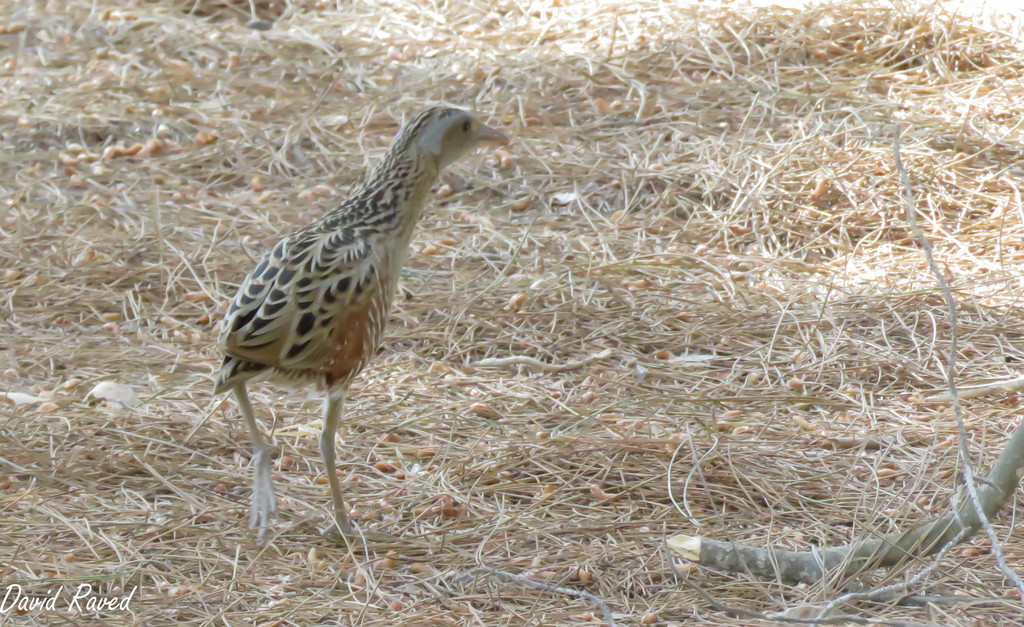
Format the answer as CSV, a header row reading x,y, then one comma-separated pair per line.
x,y
399,185
401,162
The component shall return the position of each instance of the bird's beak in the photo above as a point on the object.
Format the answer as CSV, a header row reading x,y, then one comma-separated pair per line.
x,y
488,135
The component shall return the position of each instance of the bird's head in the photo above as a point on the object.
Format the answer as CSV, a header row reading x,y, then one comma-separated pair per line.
x,y
444,134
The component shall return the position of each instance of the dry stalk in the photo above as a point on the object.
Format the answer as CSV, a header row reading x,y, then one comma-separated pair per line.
x,y
975,391
524,360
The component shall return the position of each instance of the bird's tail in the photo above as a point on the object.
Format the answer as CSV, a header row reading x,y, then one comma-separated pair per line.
x,y
234,371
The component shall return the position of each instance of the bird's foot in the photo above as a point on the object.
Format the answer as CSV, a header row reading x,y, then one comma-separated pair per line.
x,y
264,504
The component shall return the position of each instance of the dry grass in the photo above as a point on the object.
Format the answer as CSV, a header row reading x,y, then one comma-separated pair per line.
x,y
707,191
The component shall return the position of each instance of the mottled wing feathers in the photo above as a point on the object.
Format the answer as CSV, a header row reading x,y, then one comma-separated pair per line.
x,y
285,314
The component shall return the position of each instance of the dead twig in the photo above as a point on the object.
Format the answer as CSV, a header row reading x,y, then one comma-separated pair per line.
x,y
524,360
975,391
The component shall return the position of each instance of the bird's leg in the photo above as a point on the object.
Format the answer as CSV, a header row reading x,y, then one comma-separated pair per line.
x,y
263,503
335,405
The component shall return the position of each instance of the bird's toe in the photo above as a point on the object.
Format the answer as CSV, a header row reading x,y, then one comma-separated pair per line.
x,y
264,503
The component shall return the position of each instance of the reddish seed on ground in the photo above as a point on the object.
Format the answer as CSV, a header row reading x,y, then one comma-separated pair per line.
x,y
484,411
151,147
504,157
385,466
204,138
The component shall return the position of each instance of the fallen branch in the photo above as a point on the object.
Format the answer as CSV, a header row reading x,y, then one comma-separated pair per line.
x,y
851,559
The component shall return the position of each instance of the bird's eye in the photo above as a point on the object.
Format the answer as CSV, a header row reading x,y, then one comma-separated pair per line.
x,y
465,126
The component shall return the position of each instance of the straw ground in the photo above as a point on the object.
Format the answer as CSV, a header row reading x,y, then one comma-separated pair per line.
x,y
702,197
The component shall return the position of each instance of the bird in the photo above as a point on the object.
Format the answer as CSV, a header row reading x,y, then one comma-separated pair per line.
x,y
315,306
